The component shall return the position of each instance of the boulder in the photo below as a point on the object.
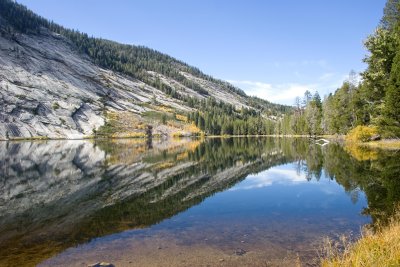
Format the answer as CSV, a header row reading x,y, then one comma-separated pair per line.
x,y
101,264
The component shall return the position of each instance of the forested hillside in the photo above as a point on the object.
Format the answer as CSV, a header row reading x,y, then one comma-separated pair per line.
x,y
374,102
121,88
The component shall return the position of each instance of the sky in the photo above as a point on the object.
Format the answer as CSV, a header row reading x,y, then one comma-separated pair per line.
x,y
274,49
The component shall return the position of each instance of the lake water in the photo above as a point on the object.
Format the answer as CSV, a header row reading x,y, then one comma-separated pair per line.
x,y
213,202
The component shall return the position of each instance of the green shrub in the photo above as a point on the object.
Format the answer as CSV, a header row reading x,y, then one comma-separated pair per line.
x,y
56,105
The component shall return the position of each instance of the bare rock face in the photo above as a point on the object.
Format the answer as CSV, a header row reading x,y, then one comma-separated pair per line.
x,y
40,90
49,89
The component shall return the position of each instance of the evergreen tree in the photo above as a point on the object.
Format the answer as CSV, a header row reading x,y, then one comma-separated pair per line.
x,y
392,101
391,14
383,47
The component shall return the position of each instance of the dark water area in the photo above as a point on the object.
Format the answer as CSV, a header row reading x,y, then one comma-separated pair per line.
x,y
187,202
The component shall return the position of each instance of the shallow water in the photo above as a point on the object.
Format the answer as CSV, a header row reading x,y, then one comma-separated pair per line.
x,y
223,202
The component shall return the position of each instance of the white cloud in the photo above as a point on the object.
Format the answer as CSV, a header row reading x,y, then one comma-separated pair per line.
x,y
324,81
285,93
270,177
253,88
281,93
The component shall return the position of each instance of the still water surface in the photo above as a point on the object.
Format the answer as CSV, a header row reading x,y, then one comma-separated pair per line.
x,y
217,202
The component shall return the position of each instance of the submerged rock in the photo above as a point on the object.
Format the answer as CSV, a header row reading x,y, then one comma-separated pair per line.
x,y
240,252
101,264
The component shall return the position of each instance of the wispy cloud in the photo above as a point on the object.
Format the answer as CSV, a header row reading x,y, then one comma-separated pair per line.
x,y
280,93
285,93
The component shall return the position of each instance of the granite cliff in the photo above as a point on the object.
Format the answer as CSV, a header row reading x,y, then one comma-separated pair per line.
x,y
59,83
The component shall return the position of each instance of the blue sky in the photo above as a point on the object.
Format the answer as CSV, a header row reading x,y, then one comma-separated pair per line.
x,y
275,49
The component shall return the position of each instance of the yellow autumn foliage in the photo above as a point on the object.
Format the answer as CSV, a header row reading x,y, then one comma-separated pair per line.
x,y
192,128
181,118
381,248
360,152
361,133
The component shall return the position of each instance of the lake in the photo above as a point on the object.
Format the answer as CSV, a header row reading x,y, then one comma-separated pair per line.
x,y
187,202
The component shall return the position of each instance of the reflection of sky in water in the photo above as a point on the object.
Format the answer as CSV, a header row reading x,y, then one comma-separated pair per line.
x,y
278,205
279,194
285,175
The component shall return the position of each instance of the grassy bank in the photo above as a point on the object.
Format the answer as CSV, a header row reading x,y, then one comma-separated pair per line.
x,y
381,248
385,144
370,136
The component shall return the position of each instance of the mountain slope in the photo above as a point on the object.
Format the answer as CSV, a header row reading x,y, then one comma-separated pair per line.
x,y
59,83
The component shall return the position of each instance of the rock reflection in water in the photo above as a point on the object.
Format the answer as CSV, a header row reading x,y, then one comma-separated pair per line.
x,y
59,194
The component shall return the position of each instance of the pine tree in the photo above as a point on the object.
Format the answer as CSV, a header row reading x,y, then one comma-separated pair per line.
x,y
392,100
391,14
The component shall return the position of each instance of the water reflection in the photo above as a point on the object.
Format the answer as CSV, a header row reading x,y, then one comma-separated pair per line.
x,y
58,194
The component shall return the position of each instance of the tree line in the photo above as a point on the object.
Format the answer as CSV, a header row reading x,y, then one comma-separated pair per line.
x,y
219,118
375,101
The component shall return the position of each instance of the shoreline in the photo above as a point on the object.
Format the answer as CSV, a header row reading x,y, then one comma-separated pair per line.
x,y
374,248
386,144
40,138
